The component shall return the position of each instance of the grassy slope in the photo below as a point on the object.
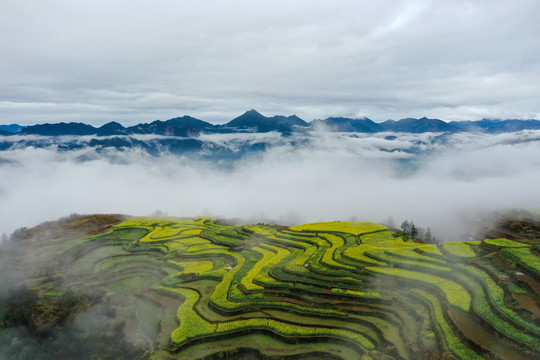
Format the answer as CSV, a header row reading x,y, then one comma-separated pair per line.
x,y
364,291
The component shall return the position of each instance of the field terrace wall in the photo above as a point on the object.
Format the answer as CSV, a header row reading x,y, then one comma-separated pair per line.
x,y
357,286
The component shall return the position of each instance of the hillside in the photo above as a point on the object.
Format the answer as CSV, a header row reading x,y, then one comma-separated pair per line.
x,y
131,287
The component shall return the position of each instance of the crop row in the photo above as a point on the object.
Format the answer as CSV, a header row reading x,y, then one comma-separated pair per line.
x,y
380,238
356,293
295,330
259,265
455,294
223,235
300,277
527,259
452,340
195,266
263,277
353,228
227,289
482,308
193,326
415,255
459,249
496,297
385,255
323,271
328,257
317,257
503,243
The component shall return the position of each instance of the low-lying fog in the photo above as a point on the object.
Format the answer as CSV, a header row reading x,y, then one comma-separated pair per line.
x,y
436,181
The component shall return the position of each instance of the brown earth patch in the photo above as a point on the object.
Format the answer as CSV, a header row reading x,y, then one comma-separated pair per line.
x,y
527,303
532,283
483,337
74,225
502,263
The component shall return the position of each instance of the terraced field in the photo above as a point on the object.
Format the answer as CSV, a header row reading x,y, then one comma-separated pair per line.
x,y
330,290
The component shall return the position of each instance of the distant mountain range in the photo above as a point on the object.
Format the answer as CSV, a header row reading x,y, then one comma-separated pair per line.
x,y
253,121
7,129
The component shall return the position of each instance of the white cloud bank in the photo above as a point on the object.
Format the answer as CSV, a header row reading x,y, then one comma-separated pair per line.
x,y
333,177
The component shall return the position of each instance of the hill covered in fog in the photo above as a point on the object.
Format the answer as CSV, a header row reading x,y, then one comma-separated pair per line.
x,y
113,286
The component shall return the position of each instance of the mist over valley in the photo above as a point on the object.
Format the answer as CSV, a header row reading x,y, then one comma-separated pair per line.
x,y
315,172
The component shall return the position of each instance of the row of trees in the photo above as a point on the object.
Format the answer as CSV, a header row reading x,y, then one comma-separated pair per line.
x,y
419,233
411,231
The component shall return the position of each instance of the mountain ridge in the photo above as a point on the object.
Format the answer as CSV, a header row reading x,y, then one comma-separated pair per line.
x,y
253,121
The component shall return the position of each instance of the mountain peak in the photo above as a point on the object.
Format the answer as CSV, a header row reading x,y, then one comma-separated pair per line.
x,y
252,120
347,124
414,125
253,112
112,125
111,128
62,128
294,117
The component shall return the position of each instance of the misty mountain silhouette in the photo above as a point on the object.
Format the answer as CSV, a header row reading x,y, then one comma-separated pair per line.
x,y
10,129
496,126
253,121
189,121
349,125
421,125
59,129
167,128
111,128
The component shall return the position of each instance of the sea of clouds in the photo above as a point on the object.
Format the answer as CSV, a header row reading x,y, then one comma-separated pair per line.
x,y
438,181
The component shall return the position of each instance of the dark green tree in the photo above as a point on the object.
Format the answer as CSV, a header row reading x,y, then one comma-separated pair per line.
x,y
427,236
406,227
414,231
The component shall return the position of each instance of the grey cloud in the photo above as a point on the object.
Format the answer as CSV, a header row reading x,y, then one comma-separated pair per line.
x,y
131,61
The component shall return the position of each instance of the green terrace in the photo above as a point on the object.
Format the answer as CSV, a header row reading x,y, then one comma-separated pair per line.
x,y
357,287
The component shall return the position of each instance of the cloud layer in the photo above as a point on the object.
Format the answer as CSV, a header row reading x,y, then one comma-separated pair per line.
x,y
437,182
132,61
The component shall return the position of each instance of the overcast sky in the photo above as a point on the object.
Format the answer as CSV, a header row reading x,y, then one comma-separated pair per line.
x,y
132,61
